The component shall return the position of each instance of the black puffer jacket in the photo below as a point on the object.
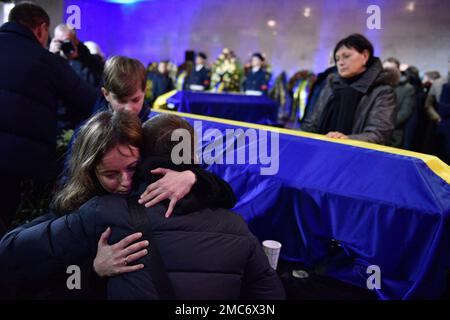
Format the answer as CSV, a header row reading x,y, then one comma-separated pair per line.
x,y
34,257
376,113
208,252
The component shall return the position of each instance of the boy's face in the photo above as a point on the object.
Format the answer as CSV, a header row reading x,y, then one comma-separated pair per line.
x,y
132,103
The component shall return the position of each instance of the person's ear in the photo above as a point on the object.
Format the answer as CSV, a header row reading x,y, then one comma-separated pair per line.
x,y
106,94
41,33
366,55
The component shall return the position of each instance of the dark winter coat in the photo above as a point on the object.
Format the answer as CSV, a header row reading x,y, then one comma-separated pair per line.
x,y
375,116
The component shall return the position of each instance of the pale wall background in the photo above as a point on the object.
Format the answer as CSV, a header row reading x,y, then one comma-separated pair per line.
x,y
164,29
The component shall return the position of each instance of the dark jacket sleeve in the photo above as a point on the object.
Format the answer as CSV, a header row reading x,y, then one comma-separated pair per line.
x,y
48,245
212,191
381,119
431,106
76,94
17,244
311,121
260,281
137,285
92,63
406,106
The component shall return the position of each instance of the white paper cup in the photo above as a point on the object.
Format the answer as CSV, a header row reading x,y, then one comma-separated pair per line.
x,y
272,249
300,274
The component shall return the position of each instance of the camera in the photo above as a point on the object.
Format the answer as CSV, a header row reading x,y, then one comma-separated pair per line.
x,y
67,47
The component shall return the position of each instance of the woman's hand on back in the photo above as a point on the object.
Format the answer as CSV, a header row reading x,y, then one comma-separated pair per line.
x,y
173,186
112,260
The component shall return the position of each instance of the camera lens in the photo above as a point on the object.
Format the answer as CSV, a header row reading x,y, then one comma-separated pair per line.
x,y
67,47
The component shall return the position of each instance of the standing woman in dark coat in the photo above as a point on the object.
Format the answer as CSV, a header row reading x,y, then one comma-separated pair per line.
x,y
358,102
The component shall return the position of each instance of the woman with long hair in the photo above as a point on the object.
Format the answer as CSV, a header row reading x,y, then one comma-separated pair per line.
x,y
104,159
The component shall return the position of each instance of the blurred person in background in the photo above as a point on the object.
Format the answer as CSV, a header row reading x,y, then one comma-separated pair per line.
x,y
87,66
200,77
95,49
161,80
405,101
66,43
257,79
437,107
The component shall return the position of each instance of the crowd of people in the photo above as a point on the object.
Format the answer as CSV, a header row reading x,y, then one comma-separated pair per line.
x,y
118,170
225,75
108,153
407,118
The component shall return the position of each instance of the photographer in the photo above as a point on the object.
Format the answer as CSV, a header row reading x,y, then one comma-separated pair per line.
x,y
88,66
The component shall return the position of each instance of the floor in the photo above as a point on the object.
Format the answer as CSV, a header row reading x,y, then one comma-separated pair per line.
x,y
316,287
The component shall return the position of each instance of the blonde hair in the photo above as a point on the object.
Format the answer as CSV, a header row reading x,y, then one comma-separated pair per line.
x,y
98,136
122,76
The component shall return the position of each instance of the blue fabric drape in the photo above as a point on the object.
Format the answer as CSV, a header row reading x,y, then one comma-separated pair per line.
x,y
384,209
254,109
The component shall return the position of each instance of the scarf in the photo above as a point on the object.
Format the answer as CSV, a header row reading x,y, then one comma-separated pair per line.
x,y
340,112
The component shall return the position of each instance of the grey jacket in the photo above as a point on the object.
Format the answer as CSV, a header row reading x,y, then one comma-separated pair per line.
x,y
405,95
433,98
376,113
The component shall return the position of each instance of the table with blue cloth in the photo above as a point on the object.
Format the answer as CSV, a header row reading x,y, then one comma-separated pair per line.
x,y
375,205
254,109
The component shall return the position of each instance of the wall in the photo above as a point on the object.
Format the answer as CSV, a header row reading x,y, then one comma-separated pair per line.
x,y
54,9
164,29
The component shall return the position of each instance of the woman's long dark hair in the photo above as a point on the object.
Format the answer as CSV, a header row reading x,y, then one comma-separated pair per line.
x,y
99,135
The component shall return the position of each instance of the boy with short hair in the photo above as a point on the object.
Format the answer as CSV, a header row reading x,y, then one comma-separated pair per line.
x,y
123,88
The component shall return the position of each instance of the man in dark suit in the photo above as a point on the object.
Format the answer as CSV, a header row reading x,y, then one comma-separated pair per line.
x,y
33,81
257,79
200,77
